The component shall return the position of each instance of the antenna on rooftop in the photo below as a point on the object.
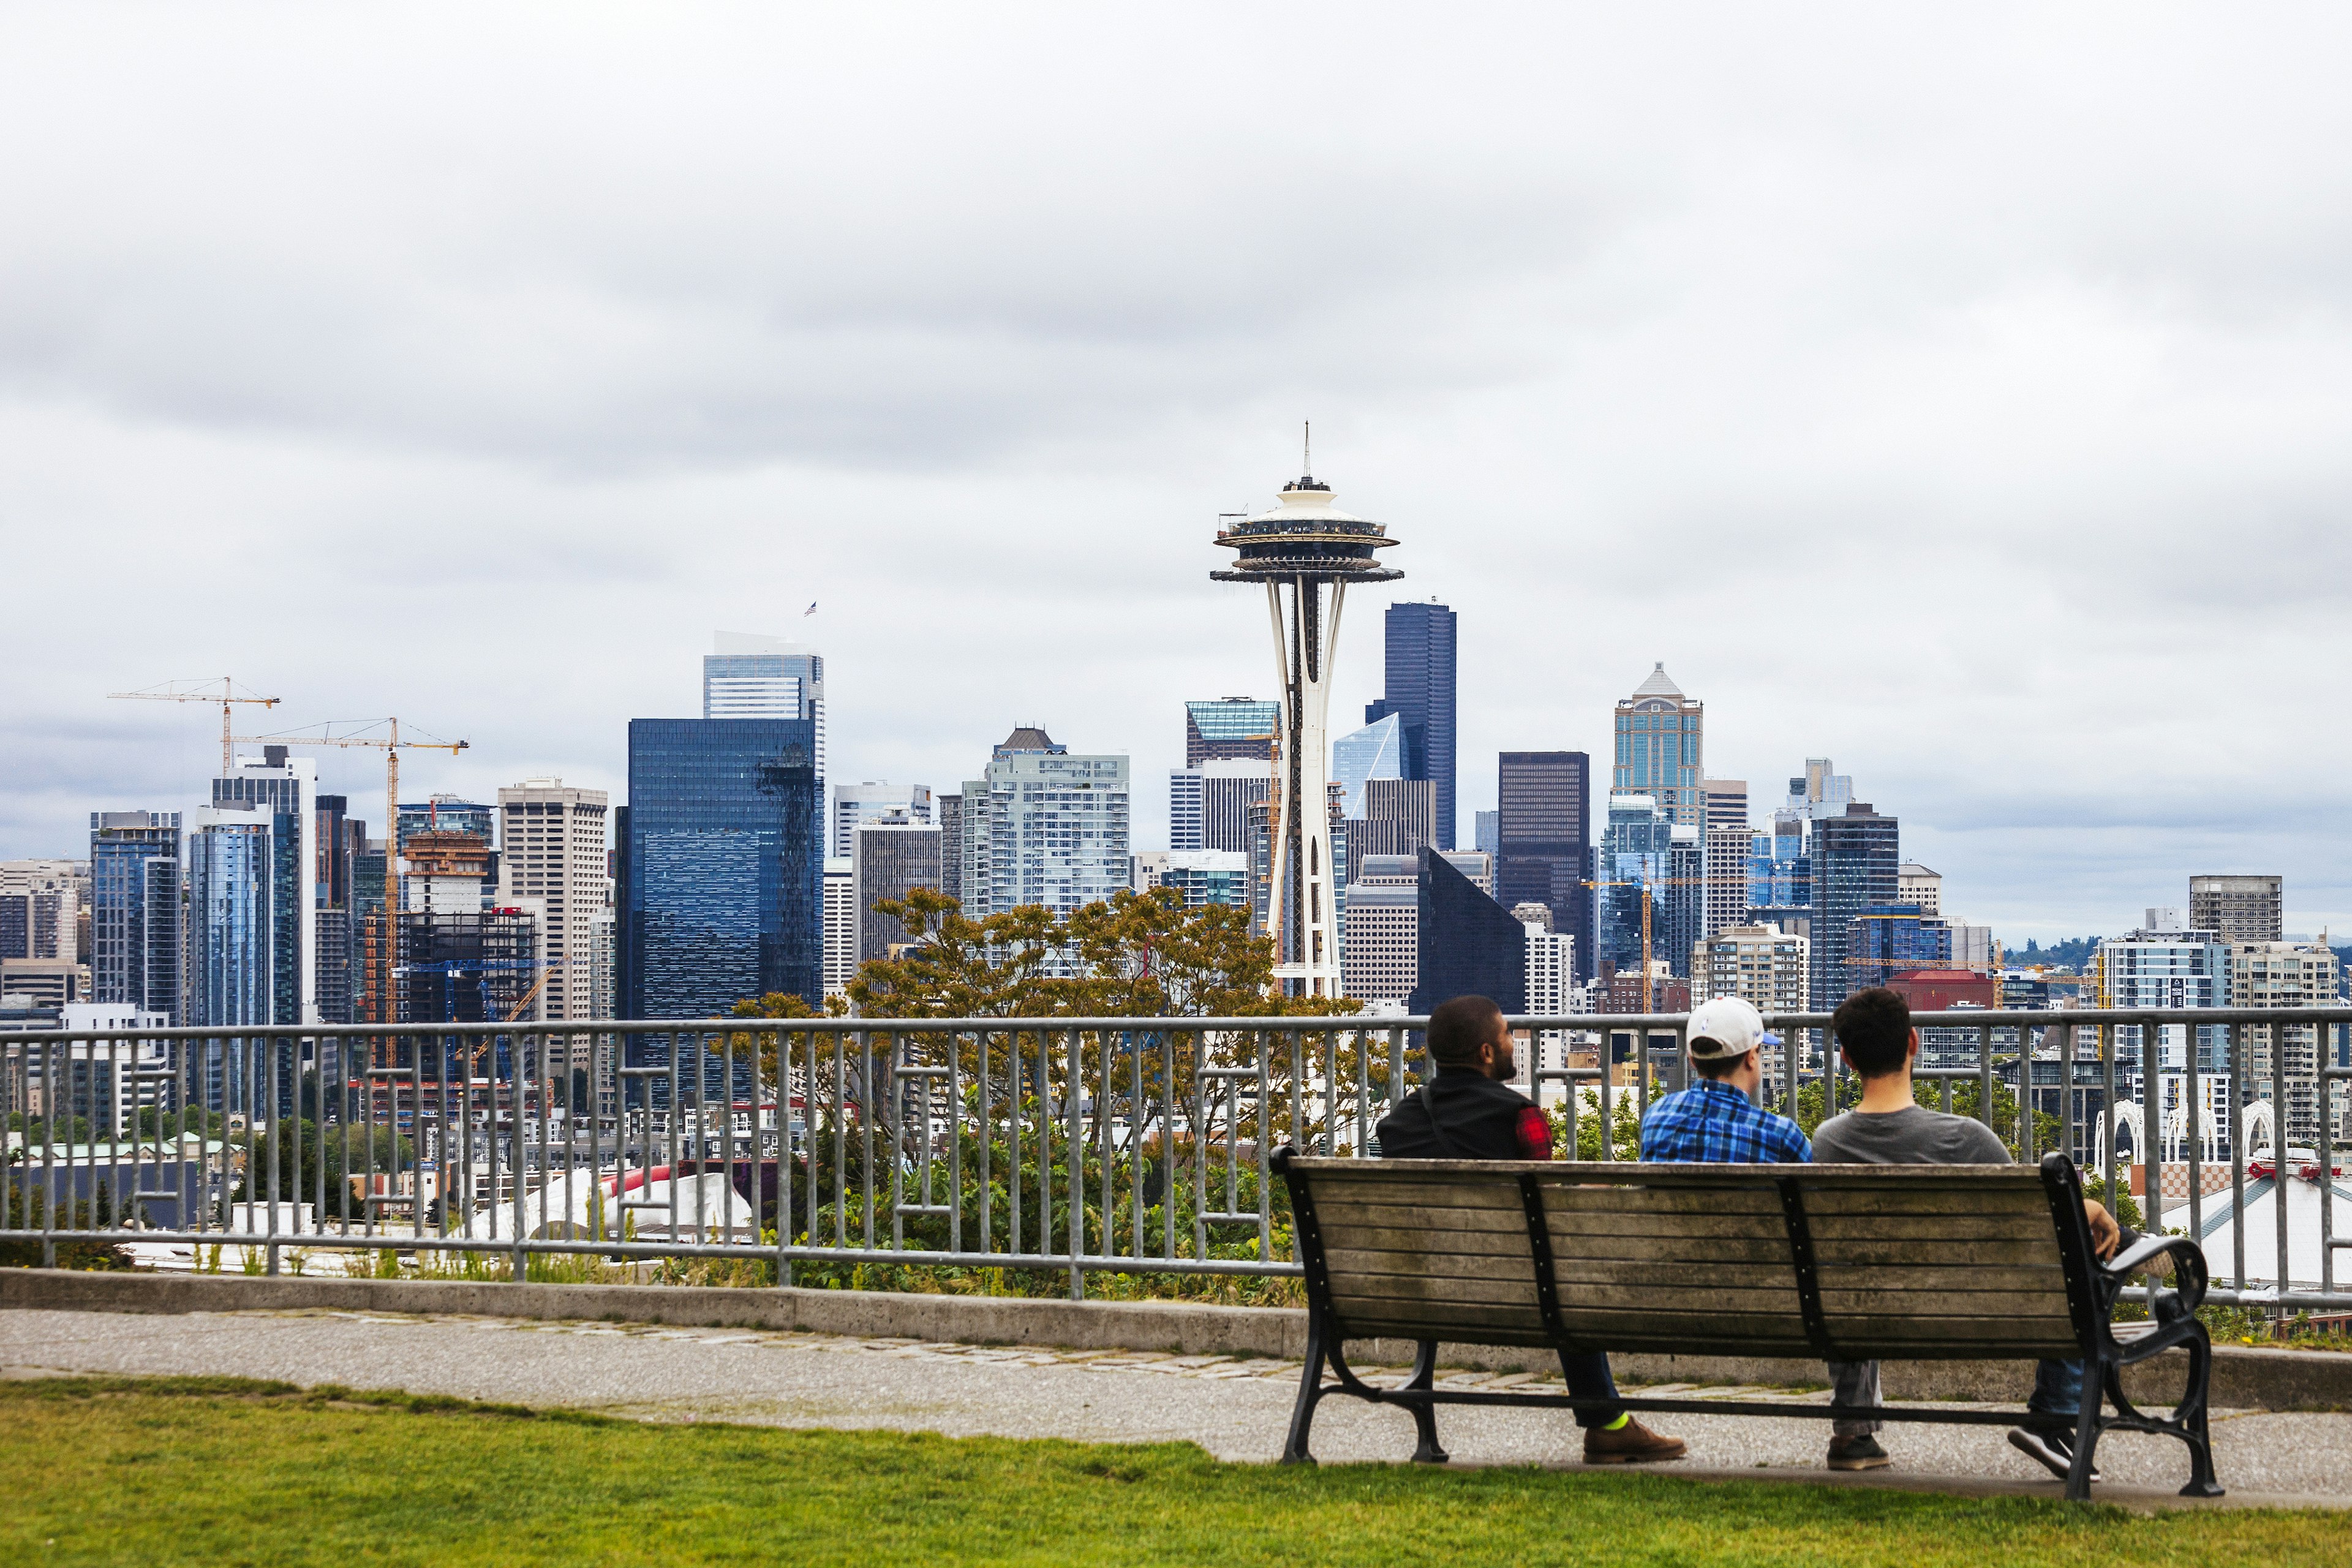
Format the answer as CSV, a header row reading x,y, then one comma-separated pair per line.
x,y
1307,455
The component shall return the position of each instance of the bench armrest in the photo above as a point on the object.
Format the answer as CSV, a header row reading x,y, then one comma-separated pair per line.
x,y
2188,1273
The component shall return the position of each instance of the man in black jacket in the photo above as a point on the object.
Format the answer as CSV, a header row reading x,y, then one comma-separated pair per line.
x,y
1468,1113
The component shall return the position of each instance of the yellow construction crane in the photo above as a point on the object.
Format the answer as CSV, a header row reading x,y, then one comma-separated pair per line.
x,y
187,691
1649,980
392,745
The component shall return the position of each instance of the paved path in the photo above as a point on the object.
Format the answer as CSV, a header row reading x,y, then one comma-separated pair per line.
x,y
1235,1408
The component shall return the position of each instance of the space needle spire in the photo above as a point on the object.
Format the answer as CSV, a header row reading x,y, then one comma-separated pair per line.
x,y
1300,549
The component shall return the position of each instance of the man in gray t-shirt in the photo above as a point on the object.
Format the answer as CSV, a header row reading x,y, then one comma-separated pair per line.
x,y
1889,1127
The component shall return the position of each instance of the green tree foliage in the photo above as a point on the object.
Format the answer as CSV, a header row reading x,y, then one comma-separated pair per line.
x,y
302,1153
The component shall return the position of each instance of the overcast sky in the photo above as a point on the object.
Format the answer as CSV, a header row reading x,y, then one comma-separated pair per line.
x,y
1963,395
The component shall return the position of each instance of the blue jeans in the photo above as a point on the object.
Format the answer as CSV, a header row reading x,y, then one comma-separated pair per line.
x,y
1588,1377
2057,1391
2057,1388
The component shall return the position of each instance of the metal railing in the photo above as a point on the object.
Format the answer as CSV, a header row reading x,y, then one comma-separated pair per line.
x,y
1075,1145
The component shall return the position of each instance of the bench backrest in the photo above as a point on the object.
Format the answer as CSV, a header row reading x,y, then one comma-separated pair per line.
x,y
1849,1262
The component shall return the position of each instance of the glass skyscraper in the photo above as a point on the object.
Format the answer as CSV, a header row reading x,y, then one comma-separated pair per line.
x,y
1660,739
1544,840
1469,944
748,677
134,910
1420,691
1229,726
1374,752
1855,859
1636,850
721,866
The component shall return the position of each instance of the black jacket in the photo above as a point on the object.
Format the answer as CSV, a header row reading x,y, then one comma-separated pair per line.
x,y
1479,1117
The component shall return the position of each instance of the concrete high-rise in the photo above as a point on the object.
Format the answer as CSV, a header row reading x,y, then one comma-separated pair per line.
x,y
840,923
1764,966
135,902
1045,826
2238,909
1209,803
1544,838
1661,737
875,801
1230,728
1420,690
892,858
1304,544
1727,843
2284,974
554,844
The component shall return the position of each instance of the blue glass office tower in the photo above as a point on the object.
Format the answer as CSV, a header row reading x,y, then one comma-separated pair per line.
x,y
1884,939
722,867
1470,945
1420,690
247,918
134,910
1854,856
1636,851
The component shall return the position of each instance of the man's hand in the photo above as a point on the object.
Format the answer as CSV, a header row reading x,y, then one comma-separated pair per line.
x,y
2106,1234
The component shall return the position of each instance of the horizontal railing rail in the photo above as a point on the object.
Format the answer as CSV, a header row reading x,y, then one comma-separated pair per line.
x,y
1080,1145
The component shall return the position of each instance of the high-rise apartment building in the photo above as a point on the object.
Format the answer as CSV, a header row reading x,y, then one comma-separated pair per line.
x,y
950,815
892,858
875,801
2236,909
1543,838
1854,861
1204,876
1726,843
1230,729
1764,966
721,865
1420,690
251,864
749,677
2283,975
1381,929
840,923
1917,884
1374,752
1661,737
134,891
2167,964
555,852
41,909
1045,827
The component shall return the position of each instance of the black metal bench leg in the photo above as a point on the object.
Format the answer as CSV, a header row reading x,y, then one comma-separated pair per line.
x,y
1424,1415
2189,1416
2095,1377
1310,1392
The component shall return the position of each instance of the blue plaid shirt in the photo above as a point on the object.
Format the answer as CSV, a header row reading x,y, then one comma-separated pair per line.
x,y
1714,1123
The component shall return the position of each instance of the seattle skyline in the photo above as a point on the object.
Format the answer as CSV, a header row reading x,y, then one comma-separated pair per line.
x,y
2018,508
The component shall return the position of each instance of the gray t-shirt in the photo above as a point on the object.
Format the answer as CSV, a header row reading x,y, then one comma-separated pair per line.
x,y
1911,1136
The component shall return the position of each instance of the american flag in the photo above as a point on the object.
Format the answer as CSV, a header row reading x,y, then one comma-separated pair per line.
x,y
810,611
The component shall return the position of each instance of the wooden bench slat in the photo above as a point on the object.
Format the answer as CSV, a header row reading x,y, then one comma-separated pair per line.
x,y
1981,1200
1727,1226
1414,1217
1438,1318
1781,1302
1373,1327
1901,1277
1402,1288
1930,1227
1645,1200
1987,1331
2036,1305
1358,1263
1399,1238
1711,1274
1753,1252
1933,1253
1490,1193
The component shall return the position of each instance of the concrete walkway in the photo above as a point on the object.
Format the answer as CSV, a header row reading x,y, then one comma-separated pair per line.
x,y
1235,1408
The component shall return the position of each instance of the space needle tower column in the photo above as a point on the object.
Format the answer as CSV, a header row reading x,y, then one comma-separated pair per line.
x,y
1304,545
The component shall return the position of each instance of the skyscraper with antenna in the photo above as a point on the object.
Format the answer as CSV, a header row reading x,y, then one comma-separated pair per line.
x,y
1300,549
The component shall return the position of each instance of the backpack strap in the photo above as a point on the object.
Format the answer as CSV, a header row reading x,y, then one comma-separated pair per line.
x,y
1429,1109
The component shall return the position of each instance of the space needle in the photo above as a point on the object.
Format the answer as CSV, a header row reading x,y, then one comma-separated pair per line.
x,y
1304,544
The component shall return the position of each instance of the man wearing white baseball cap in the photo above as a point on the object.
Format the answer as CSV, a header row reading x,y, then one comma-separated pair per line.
x,y
1717,1120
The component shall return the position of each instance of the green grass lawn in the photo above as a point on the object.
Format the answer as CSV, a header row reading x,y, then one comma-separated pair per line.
x,y
219,1472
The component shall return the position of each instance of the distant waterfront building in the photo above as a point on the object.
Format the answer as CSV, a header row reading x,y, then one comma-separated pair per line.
x,y
721,865
134,892
749,677
894,857
555,853
840,923
1727,843
1202,876
1230,729
1374,752
1543,838
1854,858
1420,691
1884,939
2236,909
1045,827
876,801
1661,748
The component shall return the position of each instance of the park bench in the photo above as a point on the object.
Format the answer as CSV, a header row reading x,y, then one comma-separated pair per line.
x,y
1837,1262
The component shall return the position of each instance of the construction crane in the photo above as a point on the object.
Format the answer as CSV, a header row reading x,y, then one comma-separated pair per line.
x,y
186,691
392,745
1649,980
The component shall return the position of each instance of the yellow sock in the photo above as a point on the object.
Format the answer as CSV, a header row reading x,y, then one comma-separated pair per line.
x,y
1621,1421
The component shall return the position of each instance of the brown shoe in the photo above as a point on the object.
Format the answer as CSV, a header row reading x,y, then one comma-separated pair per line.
x,y
1861,1453
1632,1444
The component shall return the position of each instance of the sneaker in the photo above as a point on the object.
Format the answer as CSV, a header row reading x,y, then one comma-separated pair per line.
x,y
2054,1451
1632,1444
1861,1453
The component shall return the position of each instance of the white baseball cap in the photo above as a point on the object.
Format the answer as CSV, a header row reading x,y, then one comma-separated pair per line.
x,y
1724,1028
